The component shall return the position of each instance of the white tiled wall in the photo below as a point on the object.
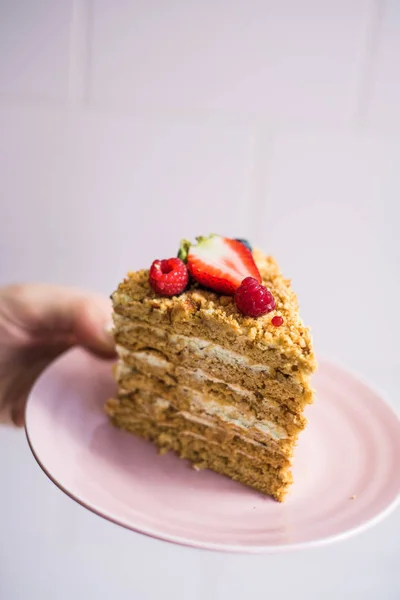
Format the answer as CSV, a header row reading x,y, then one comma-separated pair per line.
x,y
126,125
259,59
384,101
34,50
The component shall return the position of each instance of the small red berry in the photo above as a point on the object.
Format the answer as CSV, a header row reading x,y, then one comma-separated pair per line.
x,y
168,277
253,299
277,321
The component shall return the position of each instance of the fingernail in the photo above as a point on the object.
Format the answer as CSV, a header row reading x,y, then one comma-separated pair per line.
x,y
108,336
109,328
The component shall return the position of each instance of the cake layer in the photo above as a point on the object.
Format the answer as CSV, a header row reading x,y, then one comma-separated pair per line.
x,y
213,414
249,440
209,316
219,449
159,337
186,387
282,360
214,359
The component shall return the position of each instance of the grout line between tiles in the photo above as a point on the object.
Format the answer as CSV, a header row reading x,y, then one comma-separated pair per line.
x,y
79,52
368,67
263,143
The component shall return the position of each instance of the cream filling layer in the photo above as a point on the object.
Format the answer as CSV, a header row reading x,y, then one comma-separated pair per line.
x,y
198,374
164,404
201,347
229,414
196,436
161,363
201,376
197,346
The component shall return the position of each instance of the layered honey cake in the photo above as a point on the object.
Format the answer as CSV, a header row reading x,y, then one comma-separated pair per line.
x,y
214,361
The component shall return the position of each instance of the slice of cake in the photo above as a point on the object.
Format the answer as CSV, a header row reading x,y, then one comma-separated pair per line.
x,y
214,361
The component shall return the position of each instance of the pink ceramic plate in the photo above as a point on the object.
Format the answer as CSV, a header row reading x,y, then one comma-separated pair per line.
x,y
346,470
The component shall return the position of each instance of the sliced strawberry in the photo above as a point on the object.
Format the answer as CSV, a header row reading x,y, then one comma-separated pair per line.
x,y
219,263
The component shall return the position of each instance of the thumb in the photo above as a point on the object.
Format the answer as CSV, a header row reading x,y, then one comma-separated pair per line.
x,y
37,323
91,325
50,314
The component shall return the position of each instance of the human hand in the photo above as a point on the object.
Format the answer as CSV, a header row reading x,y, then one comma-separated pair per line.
x,y
37,323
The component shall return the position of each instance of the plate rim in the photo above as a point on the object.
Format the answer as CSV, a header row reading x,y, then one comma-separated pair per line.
x,y
220,547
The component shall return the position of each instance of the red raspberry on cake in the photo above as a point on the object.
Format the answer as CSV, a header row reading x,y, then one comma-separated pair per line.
x,y
253,299
168,277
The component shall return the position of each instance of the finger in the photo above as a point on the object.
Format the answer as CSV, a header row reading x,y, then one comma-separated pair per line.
x,y
46,313
16,387
92,326
18,416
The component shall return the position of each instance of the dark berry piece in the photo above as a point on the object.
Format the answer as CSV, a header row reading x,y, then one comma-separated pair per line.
x,y
245,243
168,277
253,299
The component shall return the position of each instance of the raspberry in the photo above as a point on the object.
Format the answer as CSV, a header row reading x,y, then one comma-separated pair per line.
x,y
168,277
277,321
253,299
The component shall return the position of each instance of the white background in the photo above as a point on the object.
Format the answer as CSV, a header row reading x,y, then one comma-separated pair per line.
x,y
128,124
